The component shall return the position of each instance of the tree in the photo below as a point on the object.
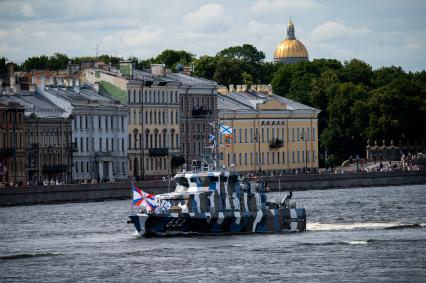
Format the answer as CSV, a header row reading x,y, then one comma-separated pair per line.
x,y
247,53
57,62
228,71
3,66
172,57
356,71
36,62
205,67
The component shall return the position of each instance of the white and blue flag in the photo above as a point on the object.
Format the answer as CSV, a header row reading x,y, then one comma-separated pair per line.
x,y
225,130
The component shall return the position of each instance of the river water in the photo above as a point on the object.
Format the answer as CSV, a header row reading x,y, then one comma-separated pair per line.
x,y
359,234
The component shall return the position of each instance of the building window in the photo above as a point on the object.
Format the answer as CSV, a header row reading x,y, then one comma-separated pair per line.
x,y
292,134
267,134
263,136
298,157
292,158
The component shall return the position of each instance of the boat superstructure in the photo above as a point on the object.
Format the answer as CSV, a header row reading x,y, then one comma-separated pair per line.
x,y
218,202
208,199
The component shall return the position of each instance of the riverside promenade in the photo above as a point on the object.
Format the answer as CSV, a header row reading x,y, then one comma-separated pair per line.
x,y
105,191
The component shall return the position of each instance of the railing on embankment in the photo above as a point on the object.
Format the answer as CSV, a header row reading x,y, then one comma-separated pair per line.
x,y
98,192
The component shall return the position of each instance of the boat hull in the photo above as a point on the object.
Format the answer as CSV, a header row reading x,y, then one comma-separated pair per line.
x,y
261,221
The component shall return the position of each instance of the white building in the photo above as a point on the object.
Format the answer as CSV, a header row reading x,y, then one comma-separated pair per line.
x,y
99,129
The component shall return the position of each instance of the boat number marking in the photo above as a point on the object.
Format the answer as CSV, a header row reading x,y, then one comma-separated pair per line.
x,y
176,222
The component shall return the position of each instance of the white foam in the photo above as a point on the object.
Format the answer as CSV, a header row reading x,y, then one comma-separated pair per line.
x,y
357,242
349,226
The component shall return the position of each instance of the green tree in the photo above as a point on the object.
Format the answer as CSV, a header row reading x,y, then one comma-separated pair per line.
x,y
205,67
247,53
356,71
228,71
57,62
172,57
3,66
36,62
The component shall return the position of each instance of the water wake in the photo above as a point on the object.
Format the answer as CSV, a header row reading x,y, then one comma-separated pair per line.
x,y
21,256
361,225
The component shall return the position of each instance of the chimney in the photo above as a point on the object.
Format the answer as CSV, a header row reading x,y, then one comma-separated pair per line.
x,y
12,77
42,82
77,86
157,69
187,70
96,87
32,87
17,88
222,90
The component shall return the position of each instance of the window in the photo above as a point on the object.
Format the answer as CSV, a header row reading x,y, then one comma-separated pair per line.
x,y
298,134
263,136
298,157
267,135
240,136
171,117
251,135
313,133
245,135
99,122
292,134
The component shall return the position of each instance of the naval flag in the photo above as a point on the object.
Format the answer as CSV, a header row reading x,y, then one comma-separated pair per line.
x,y
140,198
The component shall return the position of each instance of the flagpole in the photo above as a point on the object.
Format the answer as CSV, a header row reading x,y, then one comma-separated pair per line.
x,y
131,199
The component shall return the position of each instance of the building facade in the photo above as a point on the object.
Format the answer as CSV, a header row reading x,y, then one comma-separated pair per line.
x,y
99,133
270,133
12,143
153,125
48,147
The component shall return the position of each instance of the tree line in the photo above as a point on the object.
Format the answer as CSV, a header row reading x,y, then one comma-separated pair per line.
x,y
357,103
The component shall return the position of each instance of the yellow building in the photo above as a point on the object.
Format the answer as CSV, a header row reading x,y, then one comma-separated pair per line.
x,y
270,133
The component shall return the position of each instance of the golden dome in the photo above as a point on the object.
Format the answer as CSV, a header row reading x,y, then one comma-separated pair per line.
x,y
290,50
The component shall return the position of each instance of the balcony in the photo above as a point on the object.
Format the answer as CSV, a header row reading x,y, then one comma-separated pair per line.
x,y
200,111
276,143
7,152
34,145
55,168
156,152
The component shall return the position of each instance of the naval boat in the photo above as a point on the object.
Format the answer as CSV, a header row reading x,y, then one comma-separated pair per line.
x,y
214,201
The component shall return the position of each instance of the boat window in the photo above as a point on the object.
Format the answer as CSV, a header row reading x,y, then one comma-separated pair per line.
x,y
213,178
233,179
182,181
194,179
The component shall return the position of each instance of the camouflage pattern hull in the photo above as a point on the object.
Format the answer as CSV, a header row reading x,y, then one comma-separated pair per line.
x,y
275,220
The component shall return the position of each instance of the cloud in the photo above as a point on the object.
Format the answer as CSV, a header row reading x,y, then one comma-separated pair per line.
x,y
211,17
337,31
289,6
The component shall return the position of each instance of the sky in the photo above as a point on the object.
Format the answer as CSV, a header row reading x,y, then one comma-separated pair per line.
x,y
379,32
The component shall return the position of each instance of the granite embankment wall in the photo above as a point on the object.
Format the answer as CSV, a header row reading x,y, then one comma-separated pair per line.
x,y
99,192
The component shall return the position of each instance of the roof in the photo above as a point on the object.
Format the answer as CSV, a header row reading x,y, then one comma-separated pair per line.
x,y
35,104
250,99
84,96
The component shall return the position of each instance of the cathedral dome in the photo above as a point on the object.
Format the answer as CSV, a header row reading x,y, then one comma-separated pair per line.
x,y
290,50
